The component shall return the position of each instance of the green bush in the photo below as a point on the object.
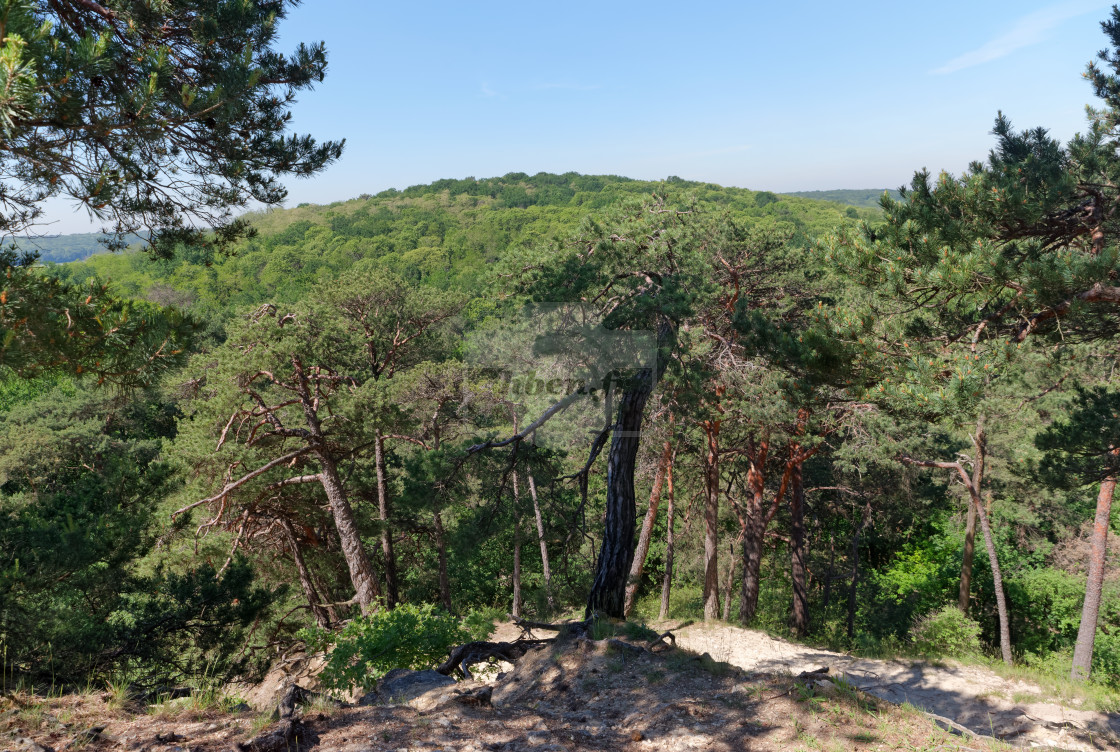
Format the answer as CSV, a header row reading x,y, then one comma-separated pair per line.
x,y
946,632
480,622
408,636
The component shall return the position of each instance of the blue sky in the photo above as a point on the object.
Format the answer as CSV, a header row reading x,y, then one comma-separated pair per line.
x,y
798,96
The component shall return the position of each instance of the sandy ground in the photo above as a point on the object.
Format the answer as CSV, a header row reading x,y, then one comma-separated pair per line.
x,y
973,696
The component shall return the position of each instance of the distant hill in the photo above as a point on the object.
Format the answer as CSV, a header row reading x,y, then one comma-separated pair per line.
x,y
59,249
445,234
866,198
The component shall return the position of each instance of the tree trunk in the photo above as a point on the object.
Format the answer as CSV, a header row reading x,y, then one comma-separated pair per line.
x,y
362,574
755,530
647,530
1087,631
608,592
855,570
979,443
800,618
997,579
730,583
391,592
826,599
441,548
322,618
516,609
711,522
966,565
667,582
546,571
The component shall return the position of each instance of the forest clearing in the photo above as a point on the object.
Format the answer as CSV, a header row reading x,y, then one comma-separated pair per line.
x,y
728,689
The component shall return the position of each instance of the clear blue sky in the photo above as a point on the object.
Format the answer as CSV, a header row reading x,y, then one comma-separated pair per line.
x,y
783,97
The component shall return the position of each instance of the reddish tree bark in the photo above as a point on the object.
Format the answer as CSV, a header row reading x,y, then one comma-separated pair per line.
x,y
1087,631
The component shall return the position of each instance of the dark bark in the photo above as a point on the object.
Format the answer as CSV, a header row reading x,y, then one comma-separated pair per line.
x,y
546,570
852,589
608,592
755,528
391,592
799,621
711,522
1087,631
647,530
667,581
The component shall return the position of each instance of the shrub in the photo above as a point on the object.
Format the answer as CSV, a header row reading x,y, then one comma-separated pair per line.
x,y
369,647
480,622
946,632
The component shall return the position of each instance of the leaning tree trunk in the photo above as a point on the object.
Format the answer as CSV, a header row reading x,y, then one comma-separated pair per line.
x,y
997,578
667,582
979,444
362,574
711,522
647,530
546,570
800,618
608,592
1087,631
391,591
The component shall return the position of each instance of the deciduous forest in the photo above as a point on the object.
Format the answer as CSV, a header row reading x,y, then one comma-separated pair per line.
x,y
572,395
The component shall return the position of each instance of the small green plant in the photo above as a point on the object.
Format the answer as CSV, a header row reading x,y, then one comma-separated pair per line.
x,y
480,622
408,636
946,632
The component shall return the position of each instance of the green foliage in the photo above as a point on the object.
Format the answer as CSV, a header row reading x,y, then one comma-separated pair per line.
x,y
367,648
946,632
870,198
152,115
80,475
50,326
480,623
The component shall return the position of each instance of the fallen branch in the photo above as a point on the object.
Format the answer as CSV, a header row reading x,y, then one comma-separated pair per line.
x,y
471,653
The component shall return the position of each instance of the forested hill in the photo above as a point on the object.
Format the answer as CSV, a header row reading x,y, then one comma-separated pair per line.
x,y
443,234
59,249
863,197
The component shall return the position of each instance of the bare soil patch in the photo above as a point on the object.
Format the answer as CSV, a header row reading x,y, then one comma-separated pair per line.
x,y
1015,711
580,694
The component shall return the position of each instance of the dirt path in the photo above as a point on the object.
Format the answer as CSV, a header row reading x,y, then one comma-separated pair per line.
x,y
972,696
